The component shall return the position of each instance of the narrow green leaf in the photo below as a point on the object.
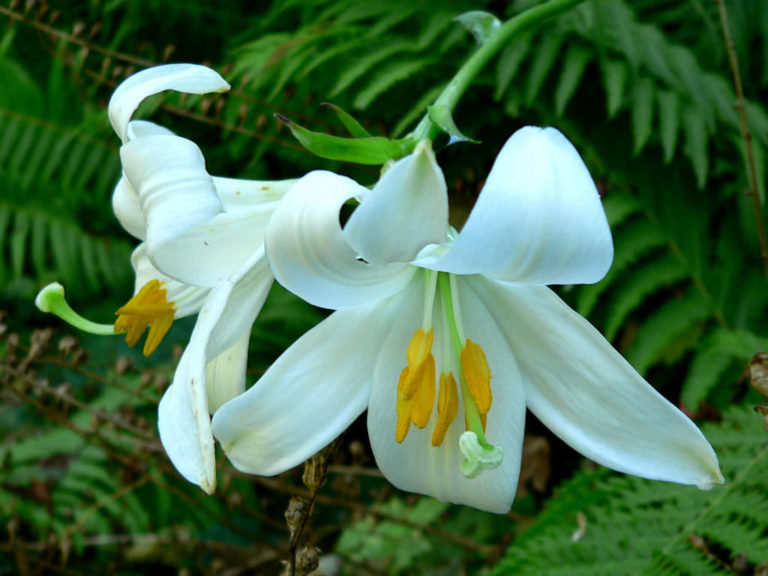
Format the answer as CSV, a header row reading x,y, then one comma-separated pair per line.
x,y
665,327
481,24
509,63
642,112
387,77
350,123
375,150
669,121
615,75
704,374
696,143
545,57
441,115
574,66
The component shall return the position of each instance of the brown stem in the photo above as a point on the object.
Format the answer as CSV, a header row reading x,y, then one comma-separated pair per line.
x,y
745,133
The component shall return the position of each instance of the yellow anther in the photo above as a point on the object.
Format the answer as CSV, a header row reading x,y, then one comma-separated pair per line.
x,y
478,376
149,306
416,388
447,407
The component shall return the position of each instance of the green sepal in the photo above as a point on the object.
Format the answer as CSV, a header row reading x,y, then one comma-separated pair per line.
x,y
373,150
481,24
441,115
350,123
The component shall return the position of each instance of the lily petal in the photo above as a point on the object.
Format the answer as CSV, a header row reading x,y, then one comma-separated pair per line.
x,y
309,395
405,211
189,78
417,466
309,254
225,374
589,395
236,193
189,235
538,218
183,416
127,208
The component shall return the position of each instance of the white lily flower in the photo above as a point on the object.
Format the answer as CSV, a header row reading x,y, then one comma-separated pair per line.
x,y
456,337
202,253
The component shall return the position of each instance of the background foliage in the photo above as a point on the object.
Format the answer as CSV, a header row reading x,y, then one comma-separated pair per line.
x,y
643,89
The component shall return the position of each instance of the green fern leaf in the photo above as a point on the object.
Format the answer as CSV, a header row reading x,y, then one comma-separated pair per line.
x,y
615,74
669,121
574,66
665,326
635,526
545,57
642,112
387,77
696,143
509,63
706,370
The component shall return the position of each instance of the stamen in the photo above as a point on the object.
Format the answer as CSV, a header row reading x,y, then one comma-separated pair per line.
x,y
149,306
478,376
447,407
416,388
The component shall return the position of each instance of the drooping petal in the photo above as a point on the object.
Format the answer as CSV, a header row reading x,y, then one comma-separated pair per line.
x,y
225,374
189,78
405,211
309,254
589,395
309,395
224,321
538,219
189,235
417,466
127,208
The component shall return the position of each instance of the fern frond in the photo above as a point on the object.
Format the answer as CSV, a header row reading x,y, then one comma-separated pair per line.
x,y
636,526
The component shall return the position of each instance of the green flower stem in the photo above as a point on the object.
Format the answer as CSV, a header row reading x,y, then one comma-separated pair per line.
x,y
463,79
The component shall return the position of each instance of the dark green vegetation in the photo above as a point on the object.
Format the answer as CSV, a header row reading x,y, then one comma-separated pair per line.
x,y
642,88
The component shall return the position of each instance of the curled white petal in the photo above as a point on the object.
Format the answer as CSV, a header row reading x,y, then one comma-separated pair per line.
x,y
189,78
225,374
538,219
310,255
190,236
405,211
127,208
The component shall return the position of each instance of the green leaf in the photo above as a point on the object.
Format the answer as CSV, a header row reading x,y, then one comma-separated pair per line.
x,y
387,77
441,115
665,326
696,143
481,24
350,123
509,62
635,526
669,121
644,281
642,113
375,150
704,374
545,57
615,75
574,66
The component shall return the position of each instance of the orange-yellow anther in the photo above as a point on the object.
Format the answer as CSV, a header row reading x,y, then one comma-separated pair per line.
x,y
478,376
416,388
149,306
447,407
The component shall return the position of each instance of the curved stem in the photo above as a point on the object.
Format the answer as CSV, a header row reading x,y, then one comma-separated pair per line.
x,y
463,79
